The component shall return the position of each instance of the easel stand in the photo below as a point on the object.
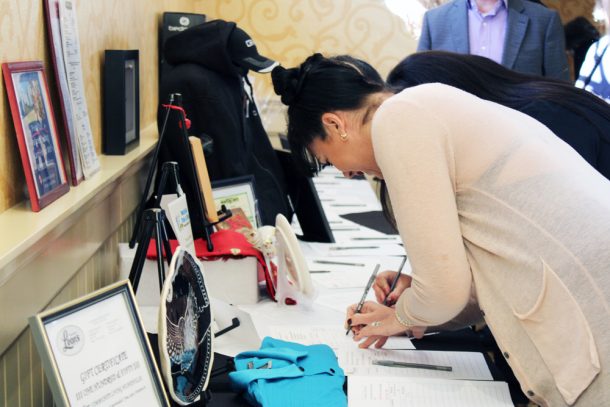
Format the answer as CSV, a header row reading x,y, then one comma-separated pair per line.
x,y
154,222
174,106
149,177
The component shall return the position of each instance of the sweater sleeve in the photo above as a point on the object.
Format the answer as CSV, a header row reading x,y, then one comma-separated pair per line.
x,y
413,150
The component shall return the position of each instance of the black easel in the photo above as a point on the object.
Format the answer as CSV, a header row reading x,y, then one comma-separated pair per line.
x,y
174,105
154,221
151,171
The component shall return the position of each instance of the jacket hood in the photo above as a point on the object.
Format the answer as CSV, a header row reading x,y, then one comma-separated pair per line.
x,y
205,44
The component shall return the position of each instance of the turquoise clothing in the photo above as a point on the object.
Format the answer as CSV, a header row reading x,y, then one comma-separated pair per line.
x,y
287,374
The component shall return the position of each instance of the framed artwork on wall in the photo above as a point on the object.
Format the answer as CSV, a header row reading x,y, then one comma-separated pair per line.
x,y
121,101
95,351
36,131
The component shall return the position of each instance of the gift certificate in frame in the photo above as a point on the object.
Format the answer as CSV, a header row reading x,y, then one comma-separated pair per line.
x,y
95,351
238,192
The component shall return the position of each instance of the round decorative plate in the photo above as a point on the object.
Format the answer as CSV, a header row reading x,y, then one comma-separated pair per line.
x,y
185,333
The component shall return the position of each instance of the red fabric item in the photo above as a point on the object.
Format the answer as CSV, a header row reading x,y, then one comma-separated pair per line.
x,y
227,243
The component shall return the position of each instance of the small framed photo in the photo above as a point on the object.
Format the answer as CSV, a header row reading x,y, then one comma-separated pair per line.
x,y
95,351
34,122
238,192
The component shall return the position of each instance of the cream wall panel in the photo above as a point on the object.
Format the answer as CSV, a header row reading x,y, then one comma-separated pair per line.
x,y
22,381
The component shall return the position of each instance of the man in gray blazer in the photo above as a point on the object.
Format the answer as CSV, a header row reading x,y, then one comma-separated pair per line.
x,y
521,35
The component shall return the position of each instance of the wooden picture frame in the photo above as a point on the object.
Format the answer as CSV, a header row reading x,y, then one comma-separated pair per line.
x,y
238,192
34,122
204,179
94,351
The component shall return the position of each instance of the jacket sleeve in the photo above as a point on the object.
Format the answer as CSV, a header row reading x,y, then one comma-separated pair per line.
x,y
414,153
425,43
555,58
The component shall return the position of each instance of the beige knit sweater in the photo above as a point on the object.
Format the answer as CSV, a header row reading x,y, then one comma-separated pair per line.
x,y
484,195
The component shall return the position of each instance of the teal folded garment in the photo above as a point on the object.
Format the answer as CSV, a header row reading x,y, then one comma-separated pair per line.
x,y
287,374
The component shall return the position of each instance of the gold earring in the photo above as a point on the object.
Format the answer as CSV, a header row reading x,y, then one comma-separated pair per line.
x,y
343,136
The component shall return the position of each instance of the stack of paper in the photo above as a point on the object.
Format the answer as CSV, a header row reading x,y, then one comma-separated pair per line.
x,y
367,391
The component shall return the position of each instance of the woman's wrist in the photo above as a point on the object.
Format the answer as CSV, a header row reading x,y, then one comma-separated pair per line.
x,y
403,321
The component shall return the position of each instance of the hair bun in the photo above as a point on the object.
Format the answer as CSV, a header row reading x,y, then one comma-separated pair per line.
x,y
285,83
288,82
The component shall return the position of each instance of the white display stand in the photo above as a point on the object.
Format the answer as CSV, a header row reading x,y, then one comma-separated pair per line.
x,y
233,281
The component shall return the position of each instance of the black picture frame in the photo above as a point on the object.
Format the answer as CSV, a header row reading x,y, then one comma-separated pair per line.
x,y
121,101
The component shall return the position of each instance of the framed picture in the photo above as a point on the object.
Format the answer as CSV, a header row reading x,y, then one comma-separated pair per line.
x,y
34,122
51,8
95,351
121,101
238,192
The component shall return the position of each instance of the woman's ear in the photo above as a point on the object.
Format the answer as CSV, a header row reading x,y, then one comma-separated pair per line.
x,y
332,123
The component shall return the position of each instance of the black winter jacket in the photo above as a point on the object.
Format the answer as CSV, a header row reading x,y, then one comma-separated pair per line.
x,y
215,101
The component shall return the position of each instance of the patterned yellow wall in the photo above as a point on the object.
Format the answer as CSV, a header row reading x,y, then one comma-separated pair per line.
x,y
289,31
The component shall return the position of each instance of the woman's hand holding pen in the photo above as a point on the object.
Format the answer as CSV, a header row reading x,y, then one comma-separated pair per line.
x,y
376,322
378,314
382,286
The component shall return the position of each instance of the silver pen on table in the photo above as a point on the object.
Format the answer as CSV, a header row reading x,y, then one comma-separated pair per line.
x,y
339,263
426,334
373,238
352,247
392,363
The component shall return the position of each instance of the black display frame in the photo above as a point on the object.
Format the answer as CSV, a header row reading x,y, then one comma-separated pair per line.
x,y
121,101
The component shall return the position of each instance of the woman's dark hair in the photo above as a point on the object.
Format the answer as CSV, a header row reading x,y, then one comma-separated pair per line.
x,y
489,80
320,85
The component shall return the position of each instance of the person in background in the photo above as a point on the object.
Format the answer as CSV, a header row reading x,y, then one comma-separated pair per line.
x,y
594,74
521,35
577,117
500,218
580,34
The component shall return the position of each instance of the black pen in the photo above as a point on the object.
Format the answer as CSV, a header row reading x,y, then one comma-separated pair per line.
x,y
319,271
391,363
366,291
402,264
